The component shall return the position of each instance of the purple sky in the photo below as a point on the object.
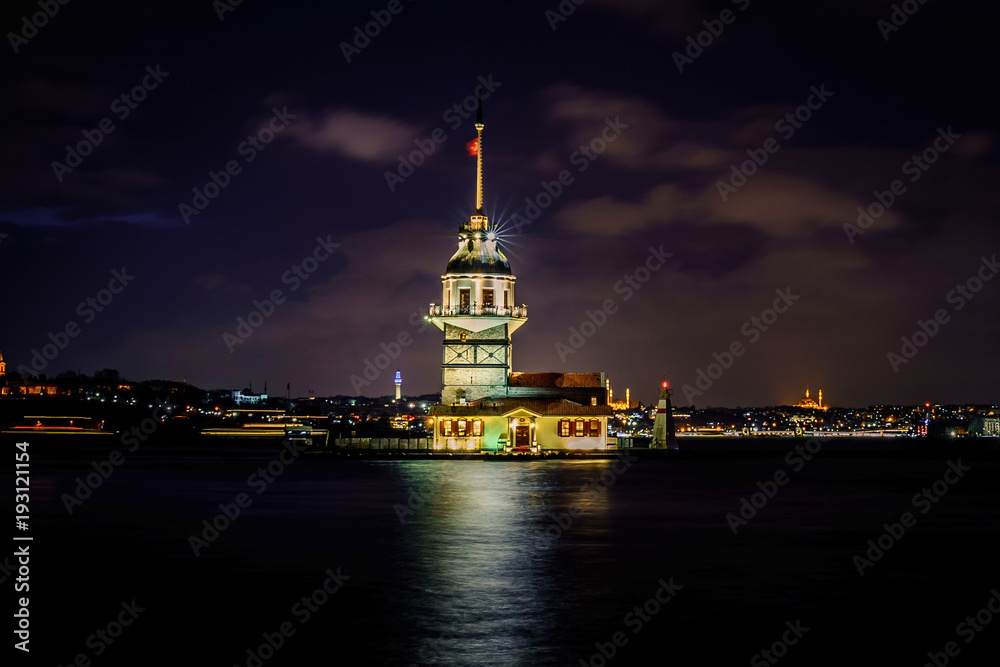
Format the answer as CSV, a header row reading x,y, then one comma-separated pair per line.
x,y
879,96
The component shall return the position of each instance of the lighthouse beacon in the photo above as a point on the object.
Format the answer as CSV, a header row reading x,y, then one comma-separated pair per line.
x,y
485,406
477,312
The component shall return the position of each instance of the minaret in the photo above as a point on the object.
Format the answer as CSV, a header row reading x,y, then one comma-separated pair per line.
x,y
664,435
820,398
477,312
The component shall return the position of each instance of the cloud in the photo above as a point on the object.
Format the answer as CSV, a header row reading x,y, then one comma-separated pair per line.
x,y
72,216
607,216
359,136
674,18
786,205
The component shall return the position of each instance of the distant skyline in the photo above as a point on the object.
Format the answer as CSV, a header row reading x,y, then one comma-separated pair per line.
x,y
746,198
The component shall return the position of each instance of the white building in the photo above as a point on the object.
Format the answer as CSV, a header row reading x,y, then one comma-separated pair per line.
x,y
484,404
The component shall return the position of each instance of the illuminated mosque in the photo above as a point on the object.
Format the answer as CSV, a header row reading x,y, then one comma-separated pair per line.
x,y
810,404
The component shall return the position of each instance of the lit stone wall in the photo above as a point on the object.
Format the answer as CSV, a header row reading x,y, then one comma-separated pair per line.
x,y
476,374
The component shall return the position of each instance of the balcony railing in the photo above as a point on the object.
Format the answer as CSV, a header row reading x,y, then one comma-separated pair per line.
x,y
474,311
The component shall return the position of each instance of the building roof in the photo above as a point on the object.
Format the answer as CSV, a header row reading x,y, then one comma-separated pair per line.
x,y
494,407
555,380
478,256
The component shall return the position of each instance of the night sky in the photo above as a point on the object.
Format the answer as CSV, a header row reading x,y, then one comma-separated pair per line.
x,y
309,129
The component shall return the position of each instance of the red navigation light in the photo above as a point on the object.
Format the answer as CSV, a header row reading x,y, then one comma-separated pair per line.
x,y
927,405
473,147
665,384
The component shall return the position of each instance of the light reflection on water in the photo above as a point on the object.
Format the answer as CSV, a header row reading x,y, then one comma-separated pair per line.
x,y
485,571
477,537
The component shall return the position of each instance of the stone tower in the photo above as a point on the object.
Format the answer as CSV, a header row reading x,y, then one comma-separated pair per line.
x,y
477,312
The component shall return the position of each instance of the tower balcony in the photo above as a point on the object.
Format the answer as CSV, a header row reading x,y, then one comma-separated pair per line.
x,y
519,312
478,318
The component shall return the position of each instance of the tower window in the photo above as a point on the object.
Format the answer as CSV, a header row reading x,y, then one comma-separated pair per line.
x,y
464,299
506,299
488,297
461,336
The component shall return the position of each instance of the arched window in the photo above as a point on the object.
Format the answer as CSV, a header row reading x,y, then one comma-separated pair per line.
x,y
461,427
477,428
579,428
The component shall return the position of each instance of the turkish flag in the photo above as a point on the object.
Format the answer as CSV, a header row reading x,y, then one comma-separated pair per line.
x,y
473,147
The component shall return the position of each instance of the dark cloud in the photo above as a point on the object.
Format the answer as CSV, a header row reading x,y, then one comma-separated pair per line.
x,y
607,71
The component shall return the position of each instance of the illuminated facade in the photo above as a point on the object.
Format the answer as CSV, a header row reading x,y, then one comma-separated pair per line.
x,y
619,405
484,404
809,403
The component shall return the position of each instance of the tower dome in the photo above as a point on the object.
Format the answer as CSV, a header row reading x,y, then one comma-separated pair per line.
x,y
478,253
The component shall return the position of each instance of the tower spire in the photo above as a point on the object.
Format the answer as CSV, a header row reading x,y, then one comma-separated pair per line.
x,y
479,155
